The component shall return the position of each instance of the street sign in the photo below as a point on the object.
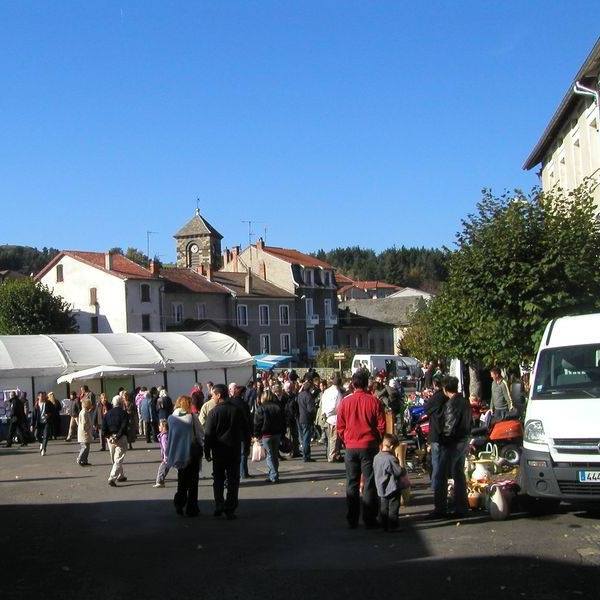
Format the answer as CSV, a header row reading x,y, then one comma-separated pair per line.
x,y
339,356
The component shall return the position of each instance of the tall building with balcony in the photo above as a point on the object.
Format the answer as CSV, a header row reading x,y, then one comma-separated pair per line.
x,y
310,280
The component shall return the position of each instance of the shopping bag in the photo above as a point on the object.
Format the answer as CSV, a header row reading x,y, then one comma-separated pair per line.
x,y
258,452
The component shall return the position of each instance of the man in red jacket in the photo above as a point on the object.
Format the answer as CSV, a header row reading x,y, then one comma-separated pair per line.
x,y
361,425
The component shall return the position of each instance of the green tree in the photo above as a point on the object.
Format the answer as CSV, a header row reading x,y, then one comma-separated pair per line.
x,y
137,256
520,262
28,307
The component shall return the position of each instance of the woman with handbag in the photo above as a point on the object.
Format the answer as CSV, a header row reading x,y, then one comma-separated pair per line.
x,y
184,452
269,426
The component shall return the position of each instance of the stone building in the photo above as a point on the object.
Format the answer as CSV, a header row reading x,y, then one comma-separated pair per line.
x,y
198,244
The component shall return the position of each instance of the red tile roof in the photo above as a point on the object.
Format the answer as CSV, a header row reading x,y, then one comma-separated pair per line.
x,y
121,266
341,278
191,281
297,258
367,285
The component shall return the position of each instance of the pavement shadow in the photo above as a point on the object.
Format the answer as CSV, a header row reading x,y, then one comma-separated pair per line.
x,y
295,547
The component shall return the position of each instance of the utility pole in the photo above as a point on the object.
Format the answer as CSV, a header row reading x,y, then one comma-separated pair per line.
x,y
148,234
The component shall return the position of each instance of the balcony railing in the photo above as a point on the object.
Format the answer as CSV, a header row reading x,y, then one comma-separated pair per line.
x,y
312,320
331,320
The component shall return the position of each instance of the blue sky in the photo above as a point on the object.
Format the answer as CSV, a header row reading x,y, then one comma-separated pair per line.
x,y
335,122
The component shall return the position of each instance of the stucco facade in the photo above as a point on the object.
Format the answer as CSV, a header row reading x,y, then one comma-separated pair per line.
x,y
118,306
312,283
569,149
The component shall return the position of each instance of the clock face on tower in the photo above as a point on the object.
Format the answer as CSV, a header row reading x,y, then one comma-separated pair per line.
x,y
194,248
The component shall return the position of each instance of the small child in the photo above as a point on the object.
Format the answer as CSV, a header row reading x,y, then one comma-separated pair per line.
x,y
387,471
163,468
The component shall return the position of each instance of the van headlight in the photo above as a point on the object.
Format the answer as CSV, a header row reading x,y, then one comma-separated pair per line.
x,y
534,432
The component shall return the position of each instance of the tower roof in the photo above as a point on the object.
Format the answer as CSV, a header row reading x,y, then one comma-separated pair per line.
x,y
197,225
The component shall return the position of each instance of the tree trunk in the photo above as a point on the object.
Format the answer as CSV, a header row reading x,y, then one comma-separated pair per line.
x,y
474,380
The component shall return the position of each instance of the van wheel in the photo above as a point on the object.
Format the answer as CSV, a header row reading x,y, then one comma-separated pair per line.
x,y
511,453
538,506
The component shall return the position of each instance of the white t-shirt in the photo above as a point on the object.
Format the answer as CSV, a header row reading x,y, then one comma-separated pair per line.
x,y
330,400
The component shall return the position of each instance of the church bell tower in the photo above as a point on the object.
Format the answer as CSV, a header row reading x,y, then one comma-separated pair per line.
x,y
198,244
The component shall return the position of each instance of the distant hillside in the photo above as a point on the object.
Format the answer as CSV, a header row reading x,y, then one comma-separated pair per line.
x,y
25,259
423,268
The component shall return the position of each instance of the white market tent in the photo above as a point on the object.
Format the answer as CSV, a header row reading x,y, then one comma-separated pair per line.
x,y
175,359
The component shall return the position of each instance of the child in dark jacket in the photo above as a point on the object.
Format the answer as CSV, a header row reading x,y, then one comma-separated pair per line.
x,y
387,471
163,468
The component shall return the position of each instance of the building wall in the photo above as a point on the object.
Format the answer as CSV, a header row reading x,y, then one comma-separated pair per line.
x,y
575,153
136,308
275,329
368,340
78,278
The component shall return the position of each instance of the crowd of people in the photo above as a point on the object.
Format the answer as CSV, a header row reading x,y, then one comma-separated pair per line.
x,y
283,416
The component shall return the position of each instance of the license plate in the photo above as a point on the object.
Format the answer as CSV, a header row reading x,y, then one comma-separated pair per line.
x,y
589,476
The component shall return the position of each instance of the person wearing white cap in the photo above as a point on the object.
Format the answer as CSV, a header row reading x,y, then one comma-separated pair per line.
x,y
114,428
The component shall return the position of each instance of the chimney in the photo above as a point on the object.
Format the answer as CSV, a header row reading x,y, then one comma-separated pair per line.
x,y
108,261
248,282
209,272
235,252
155,268
260,244
226,257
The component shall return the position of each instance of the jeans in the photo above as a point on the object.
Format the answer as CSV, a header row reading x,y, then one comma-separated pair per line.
x,y
163,470
435,465
306,431
271,446
226,466
44,431
84,453
244,464
186,495
117,455
359,461
72,428
389,506
451,462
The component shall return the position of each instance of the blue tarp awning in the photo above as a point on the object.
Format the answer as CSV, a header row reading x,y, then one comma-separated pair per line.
x,y
268,361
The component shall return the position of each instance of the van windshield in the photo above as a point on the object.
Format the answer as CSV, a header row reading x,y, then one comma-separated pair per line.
x,y
570,370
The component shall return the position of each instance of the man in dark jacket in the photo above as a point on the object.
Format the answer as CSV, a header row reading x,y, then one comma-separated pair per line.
x,y
236,396
114,429
453,440
226,430
269,426
17,421
434,408
307,412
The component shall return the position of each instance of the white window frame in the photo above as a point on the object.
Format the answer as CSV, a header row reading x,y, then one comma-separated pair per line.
x,y
327,304
242,322
328,338
267,337
285,322
288,337
200,310
309,277
177,312
261,322
309,303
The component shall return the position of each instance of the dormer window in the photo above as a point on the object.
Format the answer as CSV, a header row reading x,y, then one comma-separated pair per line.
x,y
327,278
308,277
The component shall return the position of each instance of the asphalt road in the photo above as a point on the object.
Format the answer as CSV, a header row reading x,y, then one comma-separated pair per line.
x,y
66,534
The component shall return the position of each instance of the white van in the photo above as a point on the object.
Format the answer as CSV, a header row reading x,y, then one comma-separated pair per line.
x,y
406,368
561,457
